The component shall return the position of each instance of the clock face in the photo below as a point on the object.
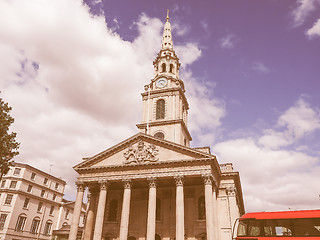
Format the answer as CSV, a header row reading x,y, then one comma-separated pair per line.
x,y
162,82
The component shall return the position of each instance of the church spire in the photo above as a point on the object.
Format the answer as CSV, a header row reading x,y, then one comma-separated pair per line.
x,y
167,37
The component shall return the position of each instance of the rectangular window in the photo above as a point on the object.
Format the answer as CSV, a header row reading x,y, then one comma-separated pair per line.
x,y
20,223
3,218
54,197
3,183
26,203
47,228
51,210
13,184
277,227
307,227
17,171
8,199
39,206
42,192
33,176
34,226
67,214
57,186
29,188
45,181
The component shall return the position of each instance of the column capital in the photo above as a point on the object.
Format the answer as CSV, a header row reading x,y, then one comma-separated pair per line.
x,y
207,178
152,182
103,184
127,183
80,186
179,179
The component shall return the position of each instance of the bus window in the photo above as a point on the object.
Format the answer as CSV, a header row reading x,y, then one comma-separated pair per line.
x,y
254,229
277,227
242,228
307,227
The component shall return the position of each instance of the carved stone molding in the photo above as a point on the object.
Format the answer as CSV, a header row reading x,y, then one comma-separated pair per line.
x,y
127,183
231,191
141,154
207,179
179,180
152,182
80,186
103,185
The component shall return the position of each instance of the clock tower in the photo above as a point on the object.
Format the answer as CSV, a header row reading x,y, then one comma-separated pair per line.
x,y
165,106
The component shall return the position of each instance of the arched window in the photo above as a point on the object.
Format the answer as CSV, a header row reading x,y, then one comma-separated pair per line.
x,y
47,228
113,210
163,67
160,109
21,222
201,208
171,68
35,225
158,210
159,135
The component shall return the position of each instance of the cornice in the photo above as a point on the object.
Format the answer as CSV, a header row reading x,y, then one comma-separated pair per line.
x,y
166,122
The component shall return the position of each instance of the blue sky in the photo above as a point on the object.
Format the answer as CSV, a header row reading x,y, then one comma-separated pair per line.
x,y
73,73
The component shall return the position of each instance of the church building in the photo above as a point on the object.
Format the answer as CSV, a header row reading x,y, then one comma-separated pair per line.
x,y
153,185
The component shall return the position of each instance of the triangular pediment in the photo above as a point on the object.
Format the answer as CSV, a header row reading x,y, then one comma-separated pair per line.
x,y
142,149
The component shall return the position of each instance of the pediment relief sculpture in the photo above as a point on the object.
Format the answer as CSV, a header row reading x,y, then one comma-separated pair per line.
x,y
141,154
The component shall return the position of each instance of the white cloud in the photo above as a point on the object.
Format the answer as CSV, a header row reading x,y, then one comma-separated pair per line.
x,y
261,68
188,53
73,83
301,12
270,172
314,30
228,41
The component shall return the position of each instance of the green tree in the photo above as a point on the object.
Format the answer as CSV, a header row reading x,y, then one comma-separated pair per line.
x,y
8,145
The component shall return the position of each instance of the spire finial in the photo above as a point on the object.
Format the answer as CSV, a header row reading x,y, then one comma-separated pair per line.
x,y
167,15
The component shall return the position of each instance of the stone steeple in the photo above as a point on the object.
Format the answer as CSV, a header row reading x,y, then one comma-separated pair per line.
x,y
165,106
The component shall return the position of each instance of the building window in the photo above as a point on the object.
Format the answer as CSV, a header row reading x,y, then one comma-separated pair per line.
x,y
57,186
171,68
163,67
54,197
157,237
20,223
8,199
35,225
3,218
29,188
47,228
33,176
113,211
67,214
42,192
159,135
201,208
17,171
26,203
39,206
160,109
3,183
51,210
45,181
13,184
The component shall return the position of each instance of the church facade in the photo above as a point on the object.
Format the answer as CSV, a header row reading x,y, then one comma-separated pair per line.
x,y
154,186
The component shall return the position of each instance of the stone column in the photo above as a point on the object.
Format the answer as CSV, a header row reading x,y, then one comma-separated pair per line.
x,y
151,224
124,224
76,212
209,206
179,208
215,216
97,234
92,198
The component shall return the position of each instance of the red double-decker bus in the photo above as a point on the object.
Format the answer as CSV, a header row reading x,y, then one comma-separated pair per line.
x,y
296,225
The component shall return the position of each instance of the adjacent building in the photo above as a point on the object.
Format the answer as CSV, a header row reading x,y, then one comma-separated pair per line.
x,y
31,204
153,185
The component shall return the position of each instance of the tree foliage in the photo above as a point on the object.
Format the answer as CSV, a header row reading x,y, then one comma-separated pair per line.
x,y
8,145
